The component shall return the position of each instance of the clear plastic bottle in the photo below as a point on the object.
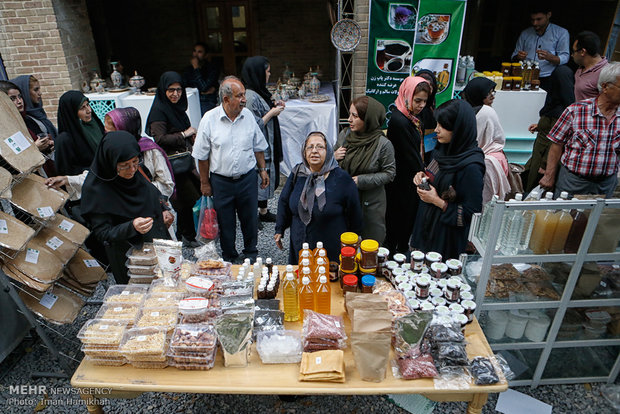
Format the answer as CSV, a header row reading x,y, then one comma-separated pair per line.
x,y
573,240
306,253
528,222
318,249
320,262
306,297
485,220
564,223
323,296
290,297
257,268
512,230
323,255
461,71
544,227
470,69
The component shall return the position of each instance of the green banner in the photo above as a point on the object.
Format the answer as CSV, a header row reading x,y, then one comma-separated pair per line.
x,y
408,36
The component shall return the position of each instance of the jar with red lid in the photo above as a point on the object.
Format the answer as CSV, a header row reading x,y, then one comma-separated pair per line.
x,y
342,272
349,284
347,258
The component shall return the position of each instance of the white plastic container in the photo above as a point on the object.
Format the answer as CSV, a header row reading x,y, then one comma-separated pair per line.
x,y
496,324
536,328
516,325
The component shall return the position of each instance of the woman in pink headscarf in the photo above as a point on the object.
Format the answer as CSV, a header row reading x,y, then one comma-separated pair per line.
x,y
405,133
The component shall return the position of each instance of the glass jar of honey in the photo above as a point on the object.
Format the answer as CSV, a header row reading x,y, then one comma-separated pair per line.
x,y
349,284
516,69
516,83
369,249
506,68
347,258
349,239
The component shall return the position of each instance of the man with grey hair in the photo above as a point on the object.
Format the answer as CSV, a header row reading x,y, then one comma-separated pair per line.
x,y
588,132
229,146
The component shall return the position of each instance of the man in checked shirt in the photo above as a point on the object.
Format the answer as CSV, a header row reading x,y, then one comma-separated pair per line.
x,y
588,134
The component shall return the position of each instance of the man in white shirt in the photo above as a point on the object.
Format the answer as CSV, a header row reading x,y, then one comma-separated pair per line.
x,y
229,145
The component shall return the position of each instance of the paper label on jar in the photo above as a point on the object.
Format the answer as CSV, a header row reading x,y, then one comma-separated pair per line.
x,y
154,313
32,256
65,225
45,211
48,300
17,142
91,263
54,243
318,361
141,338
3,227
104,327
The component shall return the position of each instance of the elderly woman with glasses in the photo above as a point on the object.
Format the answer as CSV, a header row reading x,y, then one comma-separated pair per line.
x,y
318,202
120,205
480,93
169,126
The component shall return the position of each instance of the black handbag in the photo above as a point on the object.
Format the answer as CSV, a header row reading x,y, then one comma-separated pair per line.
x,y
181,162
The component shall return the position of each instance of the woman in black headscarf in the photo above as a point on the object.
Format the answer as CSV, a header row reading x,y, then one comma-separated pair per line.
x,y
121,206
456,174
169,126
255,75
80,132
318,202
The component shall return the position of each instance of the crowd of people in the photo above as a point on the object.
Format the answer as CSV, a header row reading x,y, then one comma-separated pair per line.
x,y
381,184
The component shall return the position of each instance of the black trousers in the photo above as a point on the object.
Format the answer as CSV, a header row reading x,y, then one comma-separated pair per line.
x,y
232,198
187,187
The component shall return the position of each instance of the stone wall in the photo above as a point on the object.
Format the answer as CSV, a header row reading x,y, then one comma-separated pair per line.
x,y
48,39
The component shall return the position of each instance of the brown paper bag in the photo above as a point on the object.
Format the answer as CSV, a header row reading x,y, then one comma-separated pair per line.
x,y
371,351
5,183
371,320
23,156
57,244
322,366
365,301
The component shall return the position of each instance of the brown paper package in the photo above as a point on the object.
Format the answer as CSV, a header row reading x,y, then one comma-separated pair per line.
x,y
371,351
325,366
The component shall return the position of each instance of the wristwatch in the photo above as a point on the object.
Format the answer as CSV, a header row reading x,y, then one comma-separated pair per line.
x,y
262,169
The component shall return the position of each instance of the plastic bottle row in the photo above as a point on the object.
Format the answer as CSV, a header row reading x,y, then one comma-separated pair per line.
x,y
542,231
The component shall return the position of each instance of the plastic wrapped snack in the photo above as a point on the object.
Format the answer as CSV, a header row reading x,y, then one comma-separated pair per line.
x,y
397,303
102,332
121,313
110,362
483,371
318,325
452,378
268,320
161,317
142,256
143,270
199,310
279,347
414,364
193,338
165,299
125,294
409,330
100,351
199,286
234,333
238,288
144,344
197,362
212,268
169,255
449,332
166,284
382,286
451,354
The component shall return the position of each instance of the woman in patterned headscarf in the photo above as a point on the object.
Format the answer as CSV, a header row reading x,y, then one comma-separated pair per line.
x,y
318,202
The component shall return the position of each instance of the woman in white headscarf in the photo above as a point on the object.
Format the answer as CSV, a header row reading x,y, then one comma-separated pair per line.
x,y
480,93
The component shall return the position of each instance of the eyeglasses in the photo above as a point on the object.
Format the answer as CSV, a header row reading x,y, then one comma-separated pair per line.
x,y
492,93
134,164
175,90
317,147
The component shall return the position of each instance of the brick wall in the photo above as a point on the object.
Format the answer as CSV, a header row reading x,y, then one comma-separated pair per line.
x,y
33,41
360,56
297,32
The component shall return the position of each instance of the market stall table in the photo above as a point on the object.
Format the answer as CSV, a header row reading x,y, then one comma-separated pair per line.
x,y
301,117
259,378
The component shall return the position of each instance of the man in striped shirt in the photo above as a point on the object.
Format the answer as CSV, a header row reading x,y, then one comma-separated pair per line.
x,y
586,142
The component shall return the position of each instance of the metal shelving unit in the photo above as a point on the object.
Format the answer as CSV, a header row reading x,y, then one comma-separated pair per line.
x,y
490,257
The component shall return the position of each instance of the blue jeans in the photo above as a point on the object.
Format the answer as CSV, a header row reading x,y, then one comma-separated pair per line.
x,y
574,184
232,198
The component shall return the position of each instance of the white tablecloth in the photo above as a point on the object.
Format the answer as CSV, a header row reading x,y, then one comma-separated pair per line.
x,y
301,117
143,104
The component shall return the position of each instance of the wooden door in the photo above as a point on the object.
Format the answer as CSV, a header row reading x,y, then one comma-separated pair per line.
x,y
225,25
